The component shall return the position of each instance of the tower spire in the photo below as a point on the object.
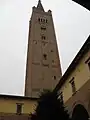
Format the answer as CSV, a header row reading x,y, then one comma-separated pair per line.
x,y
39,6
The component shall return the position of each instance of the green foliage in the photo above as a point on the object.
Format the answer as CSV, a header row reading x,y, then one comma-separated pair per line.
x,y
50,108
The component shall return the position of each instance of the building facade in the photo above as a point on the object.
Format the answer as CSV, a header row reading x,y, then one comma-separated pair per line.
x,y
43,69
74,86
16,107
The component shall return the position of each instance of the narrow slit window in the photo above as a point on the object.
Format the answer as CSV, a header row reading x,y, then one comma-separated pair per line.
x,y
43,37
73,85
54,77
45,56
39,19
19,109
89,65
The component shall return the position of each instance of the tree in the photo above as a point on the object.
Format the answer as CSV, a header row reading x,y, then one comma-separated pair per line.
x,y
50,107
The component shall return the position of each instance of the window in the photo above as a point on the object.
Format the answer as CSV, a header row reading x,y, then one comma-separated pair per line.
x,y
43,37
52,61
39,19
73,85
46,20
19,108
88,62
45,56
42,20
89,65
54,77
43,28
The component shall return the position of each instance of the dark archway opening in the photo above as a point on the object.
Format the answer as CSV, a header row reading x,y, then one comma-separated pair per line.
x,y
80,113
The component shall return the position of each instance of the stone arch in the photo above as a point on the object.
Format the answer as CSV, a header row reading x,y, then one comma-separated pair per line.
x,y
80,113
76,103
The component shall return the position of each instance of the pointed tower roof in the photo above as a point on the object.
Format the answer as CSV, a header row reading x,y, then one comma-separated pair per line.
x,y
39,6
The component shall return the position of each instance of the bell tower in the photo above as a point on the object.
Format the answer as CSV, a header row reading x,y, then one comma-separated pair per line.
x,y
43,70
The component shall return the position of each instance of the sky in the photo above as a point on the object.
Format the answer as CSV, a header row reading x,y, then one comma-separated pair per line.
x,y
72,27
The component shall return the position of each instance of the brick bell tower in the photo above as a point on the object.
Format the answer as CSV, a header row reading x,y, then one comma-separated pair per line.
x,y
43,70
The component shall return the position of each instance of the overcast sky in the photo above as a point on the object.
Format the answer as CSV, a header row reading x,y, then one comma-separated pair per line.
x,y
72,26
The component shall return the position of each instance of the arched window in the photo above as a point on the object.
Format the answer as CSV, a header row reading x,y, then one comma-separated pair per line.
x,y
54,77
39,19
